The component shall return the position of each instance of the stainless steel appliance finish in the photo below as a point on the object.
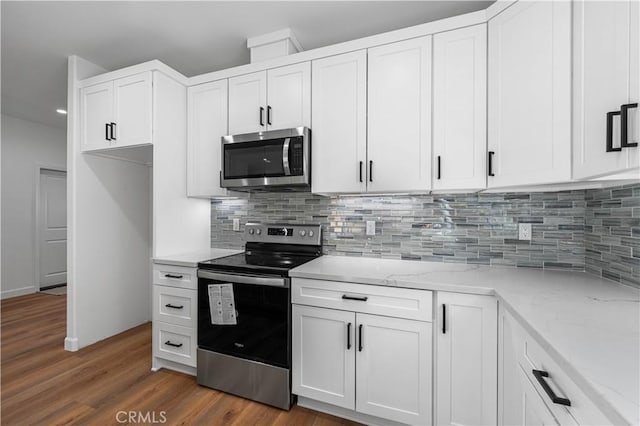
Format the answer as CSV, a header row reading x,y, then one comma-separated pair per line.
x,y
251,356
274,160
260,382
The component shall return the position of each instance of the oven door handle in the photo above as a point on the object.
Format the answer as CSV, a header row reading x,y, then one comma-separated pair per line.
x,y
285,157
244,279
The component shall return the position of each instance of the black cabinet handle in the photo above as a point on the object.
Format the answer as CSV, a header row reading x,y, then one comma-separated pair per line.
x,y
359,299
370,170
361,171
439,167
175,345
444,319
269,115
169,305
360,338
349,336
113,131
262,116
106,131
173,276
540,375
610,147
624,126
491,154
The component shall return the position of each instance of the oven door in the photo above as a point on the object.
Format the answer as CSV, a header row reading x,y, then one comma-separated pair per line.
x,y
262,318
273,158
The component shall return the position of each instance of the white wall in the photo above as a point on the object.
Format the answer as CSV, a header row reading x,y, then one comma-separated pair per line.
x,y
25,145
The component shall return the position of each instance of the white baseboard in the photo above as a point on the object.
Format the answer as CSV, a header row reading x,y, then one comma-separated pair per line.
x,y
71,344
5,294
345,413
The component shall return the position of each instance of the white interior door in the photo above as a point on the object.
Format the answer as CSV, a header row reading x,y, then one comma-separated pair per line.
x,y
52,228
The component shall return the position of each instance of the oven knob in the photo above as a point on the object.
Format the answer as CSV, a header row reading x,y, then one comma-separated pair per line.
x,y
258,231
251,231
303,233
311,233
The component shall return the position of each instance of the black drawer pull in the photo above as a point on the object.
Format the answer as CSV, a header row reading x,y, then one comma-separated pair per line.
x,y
540,375
624,126
107,127
610,147
359,299
261,116
269,115
361,171
439,167
360,338
175,345
177,277
348,336
113,131
169,305
370,170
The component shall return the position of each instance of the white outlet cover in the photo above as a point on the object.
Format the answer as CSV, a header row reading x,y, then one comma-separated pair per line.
x,y
524,231
371,227
236,224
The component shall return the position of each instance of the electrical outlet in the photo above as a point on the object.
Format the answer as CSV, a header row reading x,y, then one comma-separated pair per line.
x,y
524,231
236,224
371,227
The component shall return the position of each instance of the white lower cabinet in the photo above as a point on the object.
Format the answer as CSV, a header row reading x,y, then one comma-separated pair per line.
x,y
371,364
466,359
533,389
175,311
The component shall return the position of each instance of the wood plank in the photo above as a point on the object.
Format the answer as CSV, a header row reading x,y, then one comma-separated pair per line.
x,y
41,383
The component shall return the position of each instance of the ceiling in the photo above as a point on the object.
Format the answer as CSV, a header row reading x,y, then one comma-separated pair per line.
x,y
192,37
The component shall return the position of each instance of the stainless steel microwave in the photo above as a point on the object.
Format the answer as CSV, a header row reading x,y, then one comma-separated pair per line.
x,y
275,160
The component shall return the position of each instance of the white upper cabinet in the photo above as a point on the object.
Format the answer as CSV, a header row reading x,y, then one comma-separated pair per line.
x,y
606,74
278,98
247,103
289,96
117,113
460,108
207,123
133,111
530,94
97,113
467,359
399,116
339,109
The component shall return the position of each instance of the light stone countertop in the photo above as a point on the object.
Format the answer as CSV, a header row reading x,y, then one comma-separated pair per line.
x,y
590,326
191,259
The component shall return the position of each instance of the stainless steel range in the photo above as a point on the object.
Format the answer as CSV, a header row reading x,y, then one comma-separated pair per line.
x,y
244,313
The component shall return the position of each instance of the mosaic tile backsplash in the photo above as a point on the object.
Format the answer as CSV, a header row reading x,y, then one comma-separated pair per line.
x,y
460,228
594,230
612,233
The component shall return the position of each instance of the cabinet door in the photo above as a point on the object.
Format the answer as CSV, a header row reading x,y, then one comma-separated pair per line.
x,y
460,108
393,368
247,103
323,355
530,94
289,96
339,106
133,109
97,113
634,84
399,120
207,118
466,361
601,84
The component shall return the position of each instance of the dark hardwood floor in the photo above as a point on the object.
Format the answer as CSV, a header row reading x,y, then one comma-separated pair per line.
x,y
42,384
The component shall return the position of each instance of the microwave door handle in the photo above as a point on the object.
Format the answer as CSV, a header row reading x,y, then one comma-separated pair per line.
x,y
285,157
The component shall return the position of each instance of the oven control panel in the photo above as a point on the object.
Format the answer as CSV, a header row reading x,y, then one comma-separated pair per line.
x,y
283,233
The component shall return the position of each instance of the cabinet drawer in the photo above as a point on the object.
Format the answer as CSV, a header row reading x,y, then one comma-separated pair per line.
x,y
370,299
175,305
175,276
175,343
531,356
